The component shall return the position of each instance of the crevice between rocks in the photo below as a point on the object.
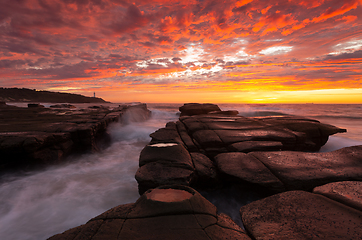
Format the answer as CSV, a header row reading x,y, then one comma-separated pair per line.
x,y
270,170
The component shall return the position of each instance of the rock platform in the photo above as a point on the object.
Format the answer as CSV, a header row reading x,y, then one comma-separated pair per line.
x,y
312,195
36,136
218,147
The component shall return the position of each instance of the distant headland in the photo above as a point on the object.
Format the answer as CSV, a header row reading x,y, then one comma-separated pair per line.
x,y
32,95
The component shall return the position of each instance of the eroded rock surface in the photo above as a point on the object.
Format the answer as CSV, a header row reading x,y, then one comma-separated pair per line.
x,y
169,212
301,215
236,133
290,170
347,192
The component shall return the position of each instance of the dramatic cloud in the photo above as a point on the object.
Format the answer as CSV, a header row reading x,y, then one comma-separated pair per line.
x,y
121,48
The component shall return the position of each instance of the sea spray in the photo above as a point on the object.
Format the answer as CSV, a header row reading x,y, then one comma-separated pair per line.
x,y
54,200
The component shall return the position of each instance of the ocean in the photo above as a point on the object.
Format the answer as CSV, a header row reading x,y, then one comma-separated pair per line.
x,y
38,204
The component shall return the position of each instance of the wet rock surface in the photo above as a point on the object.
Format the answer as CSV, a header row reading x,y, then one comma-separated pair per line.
x,y
39,136
208,149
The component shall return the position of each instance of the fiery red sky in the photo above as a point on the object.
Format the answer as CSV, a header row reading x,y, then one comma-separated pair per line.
x,y
185,51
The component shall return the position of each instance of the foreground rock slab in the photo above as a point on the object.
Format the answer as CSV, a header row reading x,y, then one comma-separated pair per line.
x,y
169,212
301,215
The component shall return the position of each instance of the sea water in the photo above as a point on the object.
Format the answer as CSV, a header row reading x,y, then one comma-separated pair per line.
x,y
36,205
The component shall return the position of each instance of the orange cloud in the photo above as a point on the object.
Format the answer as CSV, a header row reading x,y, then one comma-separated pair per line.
x,y
330,12
349,19
273,23
310,3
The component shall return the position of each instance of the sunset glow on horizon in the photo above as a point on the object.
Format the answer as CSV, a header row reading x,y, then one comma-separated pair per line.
x,y
237,51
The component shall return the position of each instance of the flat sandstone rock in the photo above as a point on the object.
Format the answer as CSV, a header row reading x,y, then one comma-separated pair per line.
x,y
244,167
301,215
304,171
347,192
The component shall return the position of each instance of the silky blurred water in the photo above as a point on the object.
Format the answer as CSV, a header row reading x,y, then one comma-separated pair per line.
x,y
37,205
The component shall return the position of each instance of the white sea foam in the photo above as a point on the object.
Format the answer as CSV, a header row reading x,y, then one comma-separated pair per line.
x,y
161,145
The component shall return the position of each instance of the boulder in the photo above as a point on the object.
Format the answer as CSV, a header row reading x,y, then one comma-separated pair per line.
x,y
315,132
168,212
304,171
347,192
157,174
191,109
294,133
166,135
244,168
301,215
286,170
170,153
